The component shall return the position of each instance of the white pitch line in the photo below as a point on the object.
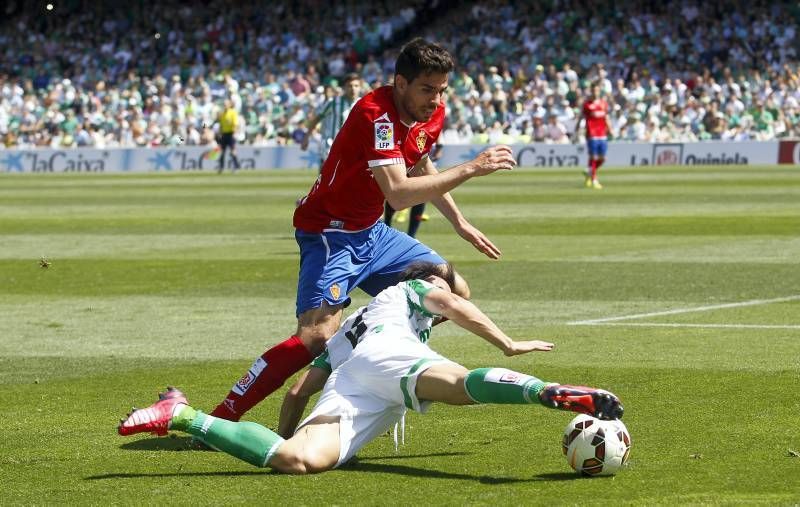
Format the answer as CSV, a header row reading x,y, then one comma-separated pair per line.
x,y
668,324
752,302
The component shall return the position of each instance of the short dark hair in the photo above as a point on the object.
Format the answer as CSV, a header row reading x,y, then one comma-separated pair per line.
x,y
421,270
422,57
352,76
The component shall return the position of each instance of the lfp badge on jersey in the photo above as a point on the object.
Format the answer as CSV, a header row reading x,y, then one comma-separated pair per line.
x,y
422,140
335,291
384,136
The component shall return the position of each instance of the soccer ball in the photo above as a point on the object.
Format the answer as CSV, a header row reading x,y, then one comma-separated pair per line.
x,y
595,447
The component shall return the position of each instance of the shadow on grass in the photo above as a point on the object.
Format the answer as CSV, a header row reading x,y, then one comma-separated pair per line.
x,y
364,465
160,444
367,465
558,476
178,474
175,443
427,473
410,456
358,467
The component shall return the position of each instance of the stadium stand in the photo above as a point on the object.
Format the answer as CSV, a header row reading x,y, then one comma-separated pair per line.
x,y
146,73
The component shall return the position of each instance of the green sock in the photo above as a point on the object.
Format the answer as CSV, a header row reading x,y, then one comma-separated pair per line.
x,y
247,441
499,385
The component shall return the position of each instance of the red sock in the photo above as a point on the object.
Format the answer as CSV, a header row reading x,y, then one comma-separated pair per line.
x,y
594,166
267,374
599,164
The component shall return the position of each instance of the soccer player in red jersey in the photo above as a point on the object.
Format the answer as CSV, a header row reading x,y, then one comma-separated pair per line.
x,y
595,114
380,154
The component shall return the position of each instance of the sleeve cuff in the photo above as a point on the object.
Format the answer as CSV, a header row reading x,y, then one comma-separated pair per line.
x,y
386,161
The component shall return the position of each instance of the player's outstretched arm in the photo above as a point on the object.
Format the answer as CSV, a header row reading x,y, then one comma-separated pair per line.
x,y
296,399
402,191
471,318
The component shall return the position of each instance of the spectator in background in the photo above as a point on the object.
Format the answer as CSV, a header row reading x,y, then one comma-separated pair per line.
x,y
556,131
332,115
539,130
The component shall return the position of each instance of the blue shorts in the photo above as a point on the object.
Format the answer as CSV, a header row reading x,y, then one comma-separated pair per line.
x,y
597,147
333,263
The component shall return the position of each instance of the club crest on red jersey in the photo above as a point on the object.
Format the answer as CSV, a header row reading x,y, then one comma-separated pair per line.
x,y
422,140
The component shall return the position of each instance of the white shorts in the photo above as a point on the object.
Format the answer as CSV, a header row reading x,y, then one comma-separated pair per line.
x,y
371,391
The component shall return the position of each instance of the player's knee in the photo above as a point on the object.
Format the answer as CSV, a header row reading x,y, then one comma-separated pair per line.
x,y
314,339
289,463
316,326
314,464
303,462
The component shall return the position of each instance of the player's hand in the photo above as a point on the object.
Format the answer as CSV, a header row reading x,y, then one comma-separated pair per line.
x,y
517,348
479,241
495,158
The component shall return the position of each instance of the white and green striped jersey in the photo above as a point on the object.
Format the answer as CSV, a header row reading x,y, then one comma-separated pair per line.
x,y
397,313
332,114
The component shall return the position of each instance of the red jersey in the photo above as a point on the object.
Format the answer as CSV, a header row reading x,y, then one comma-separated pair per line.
x,y
346,195
595,112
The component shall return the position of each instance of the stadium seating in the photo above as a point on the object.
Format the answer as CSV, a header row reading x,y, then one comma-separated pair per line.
x,y
154,73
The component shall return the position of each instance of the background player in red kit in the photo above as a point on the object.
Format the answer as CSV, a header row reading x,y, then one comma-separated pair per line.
x,y
380,154
595,114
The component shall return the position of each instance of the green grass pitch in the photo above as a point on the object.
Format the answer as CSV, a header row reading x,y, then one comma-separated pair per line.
x,y
184,278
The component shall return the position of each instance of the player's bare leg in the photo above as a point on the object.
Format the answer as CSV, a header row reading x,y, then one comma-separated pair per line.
x,y
276,365
444,383
314,448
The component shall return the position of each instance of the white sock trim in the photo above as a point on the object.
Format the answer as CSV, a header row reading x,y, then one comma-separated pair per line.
x,y
272,451
176,410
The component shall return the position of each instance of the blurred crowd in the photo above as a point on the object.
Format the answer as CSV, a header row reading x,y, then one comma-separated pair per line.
x,y
670,71
149,74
